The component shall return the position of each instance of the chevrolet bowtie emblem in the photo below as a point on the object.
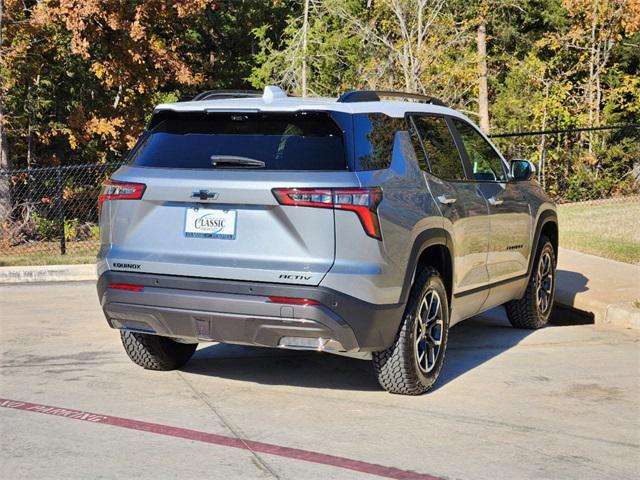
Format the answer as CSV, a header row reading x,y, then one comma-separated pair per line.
x,y
205,195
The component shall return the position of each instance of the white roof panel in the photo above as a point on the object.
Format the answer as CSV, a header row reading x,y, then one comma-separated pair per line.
x,y
271,103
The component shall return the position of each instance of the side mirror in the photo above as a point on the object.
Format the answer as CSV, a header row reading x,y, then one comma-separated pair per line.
x,y
522,170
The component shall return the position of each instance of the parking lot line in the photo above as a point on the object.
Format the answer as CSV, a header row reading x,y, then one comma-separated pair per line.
x,y
215,439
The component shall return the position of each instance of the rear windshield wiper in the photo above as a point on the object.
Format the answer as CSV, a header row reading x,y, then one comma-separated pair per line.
x,y
234,161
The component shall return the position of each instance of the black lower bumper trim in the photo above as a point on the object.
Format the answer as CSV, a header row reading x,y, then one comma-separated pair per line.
x,y
374,326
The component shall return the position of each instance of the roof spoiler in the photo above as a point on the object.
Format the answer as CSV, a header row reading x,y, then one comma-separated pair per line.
x,y
354,96
225,94
269,94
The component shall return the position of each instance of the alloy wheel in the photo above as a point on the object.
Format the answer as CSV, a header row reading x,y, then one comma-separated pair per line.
x,y
428,331
544,282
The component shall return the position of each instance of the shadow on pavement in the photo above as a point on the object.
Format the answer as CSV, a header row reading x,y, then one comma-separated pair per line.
x,y
270,366
475,341
572,283
563,313
471,343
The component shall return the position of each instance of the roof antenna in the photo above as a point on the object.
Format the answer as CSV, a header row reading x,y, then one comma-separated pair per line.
x,y
272,93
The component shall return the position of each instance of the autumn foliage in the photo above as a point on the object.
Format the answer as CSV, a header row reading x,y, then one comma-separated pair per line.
x,y
78,78
80,73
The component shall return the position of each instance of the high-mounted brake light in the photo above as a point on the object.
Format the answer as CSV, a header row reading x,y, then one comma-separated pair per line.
x,y
362,201
294,301
113,190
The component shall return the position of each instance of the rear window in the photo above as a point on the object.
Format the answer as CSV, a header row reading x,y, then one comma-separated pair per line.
x,y
374,136
289,141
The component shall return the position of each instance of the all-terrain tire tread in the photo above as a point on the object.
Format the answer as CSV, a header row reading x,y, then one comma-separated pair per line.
x,y
523,313
394,366
154,352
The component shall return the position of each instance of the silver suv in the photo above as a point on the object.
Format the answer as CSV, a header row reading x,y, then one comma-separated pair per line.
x,y
356,225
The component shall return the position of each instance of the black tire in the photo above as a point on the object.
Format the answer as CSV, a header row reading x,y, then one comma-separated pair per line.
x,y
154,352
398,367
528,312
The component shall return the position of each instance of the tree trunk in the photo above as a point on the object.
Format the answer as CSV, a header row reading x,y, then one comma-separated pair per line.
x,y
29,127
5,192
483,88
636,174
305,30
543,139
592,69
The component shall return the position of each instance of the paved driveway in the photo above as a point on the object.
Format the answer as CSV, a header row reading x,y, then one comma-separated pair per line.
x,y
563,402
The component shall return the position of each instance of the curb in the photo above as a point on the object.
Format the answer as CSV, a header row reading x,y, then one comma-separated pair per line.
x,y
48,273
625,315
605,290
622,314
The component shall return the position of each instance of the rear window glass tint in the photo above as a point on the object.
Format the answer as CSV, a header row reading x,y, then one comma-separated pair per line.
x,y
374,136
417,147
300,141
442,153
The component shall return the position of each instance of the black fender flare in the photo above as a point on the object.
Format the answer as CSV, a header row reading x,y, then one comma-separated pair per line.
x,y
547,216
427,238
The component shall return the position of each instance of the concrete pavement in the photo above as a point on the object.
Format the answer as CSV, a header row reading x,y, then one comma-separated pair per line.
x,y
562,402
607,290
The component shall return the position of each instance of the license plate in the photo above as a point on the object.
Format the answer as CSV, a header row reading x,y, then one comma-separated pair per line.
x,y
210,223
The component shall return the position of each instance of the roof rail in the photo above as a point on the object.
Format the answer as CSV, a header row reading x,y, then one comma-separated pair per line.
x,y
353,96
225,94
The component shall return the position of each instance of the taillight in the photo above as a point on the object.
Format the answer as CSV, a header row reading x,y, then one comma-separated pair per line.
x,y
126,286
362,201
113,190
294,301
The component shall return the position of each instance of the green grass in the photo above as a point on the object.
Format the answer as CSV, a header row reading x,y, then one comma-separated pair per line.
x,y
48,253
607,230
45,259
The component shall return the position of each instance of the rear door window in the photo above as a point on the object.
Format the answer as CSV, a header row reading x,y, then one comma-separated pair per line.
x,y
417,146
283,141
442,156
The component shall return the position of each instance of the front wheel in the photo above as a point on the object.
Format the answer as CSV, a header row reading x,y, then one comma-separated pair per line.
x,y
533,310
412,364
154,352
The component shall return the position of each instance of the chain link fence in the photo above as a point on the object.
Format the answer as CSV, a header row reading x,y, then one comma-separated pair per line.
x,y
51,214
580,164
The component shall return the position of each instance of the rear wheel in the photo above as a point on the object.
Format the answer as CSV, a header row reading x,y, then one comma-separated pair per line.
x,y
154,352
412,364
533,310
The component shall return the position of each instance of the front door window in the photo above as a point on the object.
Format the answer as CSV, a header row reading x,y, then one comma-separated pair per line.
x,y
486,164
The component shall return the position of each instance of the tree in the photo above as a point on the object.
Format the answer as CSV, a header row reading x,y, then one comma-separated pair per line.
x,y
80,78
596,26
413,44
5,192
483,88
326,51
305,49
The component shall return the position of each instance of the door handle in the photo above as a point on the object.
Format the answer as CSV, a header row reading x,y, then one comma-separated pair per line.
x,y
445,200
495,202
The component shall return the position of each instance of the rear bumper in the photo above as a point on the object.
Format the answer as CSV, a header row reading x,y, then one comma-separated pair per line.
x,y
198,310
